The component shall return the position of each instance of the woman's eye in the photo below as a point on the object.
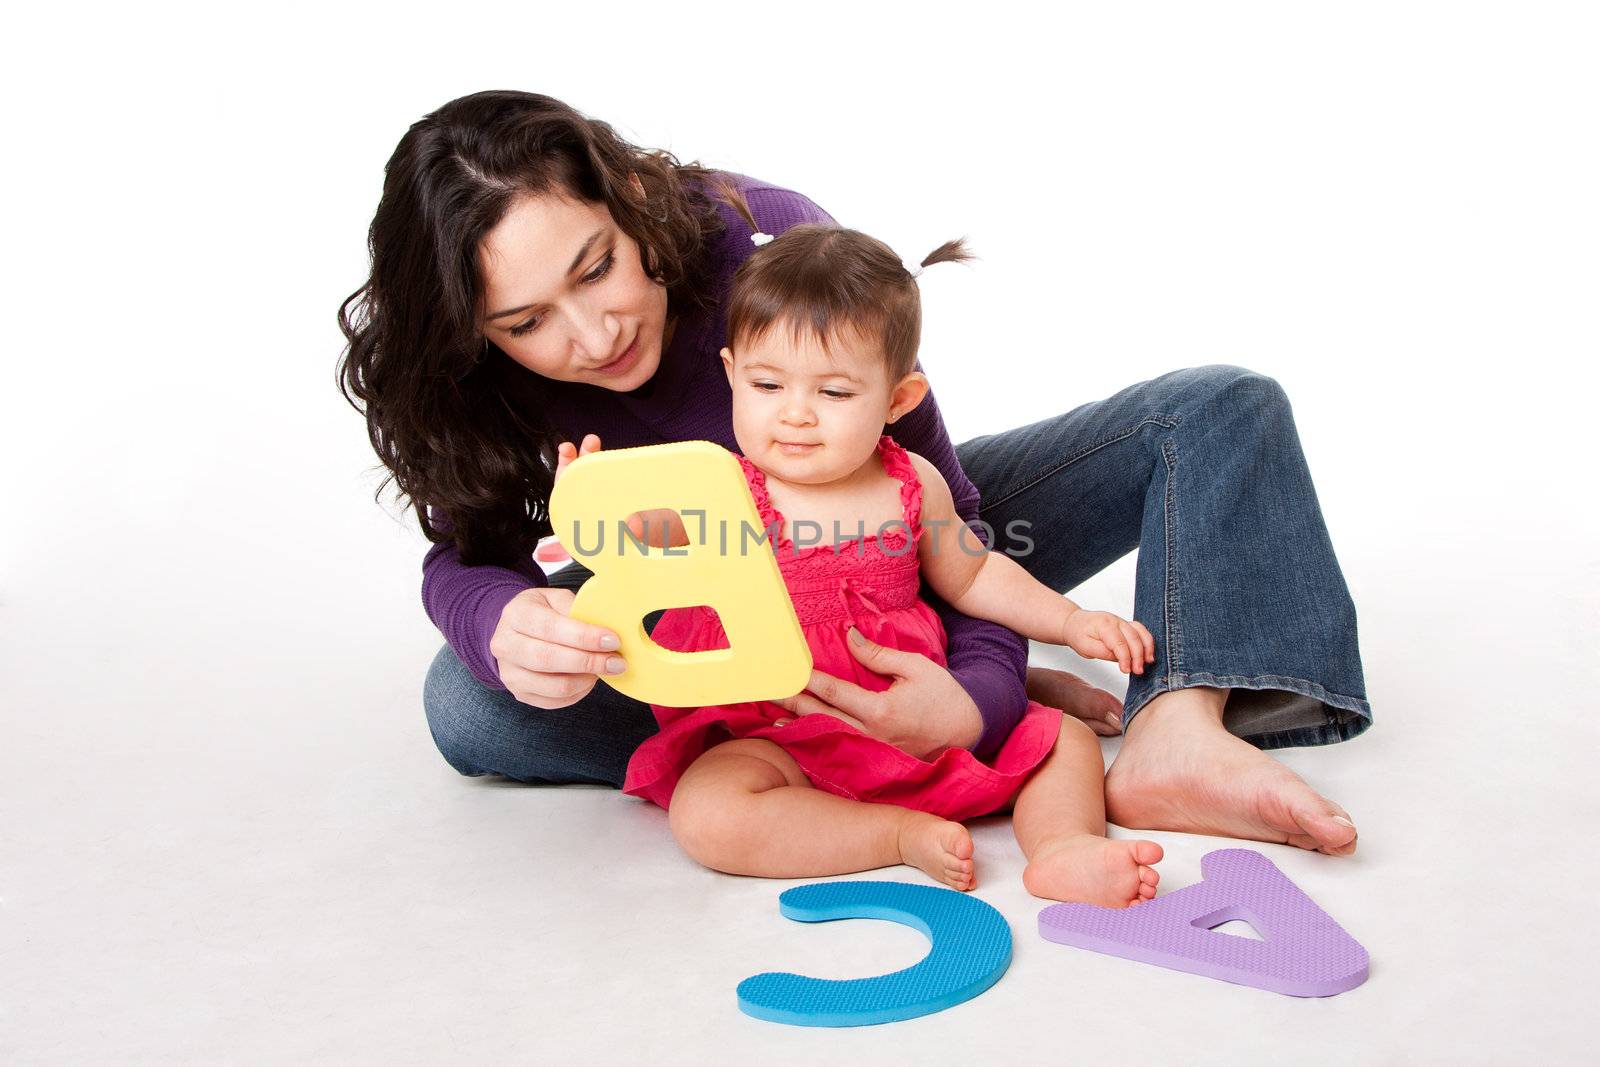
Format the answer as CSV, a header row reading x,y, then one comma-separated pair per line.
x,y
601,269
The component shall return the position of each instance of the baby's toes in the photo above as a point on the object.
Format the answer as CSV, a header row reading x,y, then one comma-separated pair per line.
x,y
961,880
1147,852
1149,876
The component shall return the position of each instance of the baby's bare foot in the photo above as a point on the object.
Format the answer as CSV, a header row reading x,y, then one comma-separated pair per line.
x,y
941,848
1086,869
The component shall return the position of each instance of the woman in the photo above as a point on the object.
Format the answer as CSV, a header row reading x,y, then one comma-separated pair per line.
x,y
535,278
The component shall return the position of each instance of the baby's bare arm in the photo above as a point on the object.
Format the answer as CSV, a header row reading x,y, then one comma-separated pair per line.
x,y
978,582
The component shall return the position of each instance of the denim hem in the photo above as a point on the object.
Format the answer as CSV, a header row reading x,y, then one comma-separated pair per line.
x,y
1344,716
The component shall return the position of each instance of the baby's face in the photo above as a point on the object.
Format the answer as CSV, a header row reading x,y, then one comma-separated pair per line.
x,y
806,412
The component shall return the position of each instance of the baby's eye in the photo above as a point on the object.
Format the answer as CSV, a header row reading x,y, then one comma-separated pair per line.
x,y
836,394
764,386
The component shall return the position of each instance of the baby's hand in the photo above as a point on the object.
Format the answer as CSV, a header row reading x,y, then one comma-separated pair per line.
x,y
567,452
1102,635
658,527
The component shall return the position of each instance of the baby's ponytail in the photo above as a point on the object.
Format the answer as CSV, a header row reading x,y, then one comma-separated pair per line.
x,y
950,252
734,198
819,277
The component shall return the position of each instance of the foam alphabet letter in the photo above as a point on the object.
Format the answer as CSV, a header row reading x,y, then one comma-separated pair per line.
x,y
767,657
1302,953
971,950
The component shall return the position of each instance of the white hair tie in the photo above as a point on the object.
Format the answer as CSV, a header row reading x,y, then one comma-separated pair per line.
x,y
758,239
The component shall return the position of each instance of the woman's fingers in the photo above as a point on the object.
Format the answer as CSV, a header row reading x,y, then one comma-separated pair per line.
x,y
538,638
567,452
546,657
544,614
803,704
658,527
854,702
543,690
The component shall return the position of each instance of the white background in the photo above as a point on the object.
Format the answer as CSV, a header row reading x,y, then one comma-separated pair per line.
x,y
224,833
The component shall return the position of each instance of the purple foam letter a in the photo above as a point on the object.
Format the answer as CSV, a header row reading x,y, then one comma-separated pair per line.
x,y
1303,952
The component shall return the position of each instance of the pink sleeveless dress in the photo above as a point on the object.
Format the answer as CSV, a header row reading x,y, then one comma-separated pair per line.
x,y
871,584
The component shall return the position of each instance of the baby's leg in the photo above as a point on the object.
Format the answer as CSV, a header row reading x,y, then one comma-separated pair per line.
x,y
1060,822
745,807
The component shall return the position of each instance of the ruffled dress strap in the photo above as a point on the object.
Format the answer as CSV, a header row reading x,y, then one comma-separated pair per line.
x,y
771,518
897,462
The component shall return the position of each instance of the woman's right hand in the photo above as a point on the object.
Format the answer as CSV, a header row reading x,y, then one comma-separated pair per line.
x,y
547,658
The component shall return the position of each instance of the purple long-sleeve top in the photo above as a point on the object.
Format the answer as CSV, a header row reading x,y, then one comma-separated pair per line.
x,y
689,399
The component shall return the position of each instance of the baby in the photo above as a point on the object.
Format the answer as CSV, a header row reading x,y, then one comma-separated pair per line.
x,y
823,327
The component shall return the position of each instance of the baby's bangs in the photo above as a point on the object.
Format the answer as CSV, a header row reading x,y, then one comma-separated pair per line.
x,y
826,326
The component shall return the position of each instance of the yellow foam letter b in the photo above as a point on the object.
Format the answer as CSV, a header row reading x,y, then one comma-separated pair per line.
x,y
767,657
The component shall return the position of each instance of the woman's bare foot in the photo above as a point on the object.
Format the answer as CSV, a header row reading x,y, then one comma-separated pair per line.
x,y
1088,869
1058,689
939,847
1181,770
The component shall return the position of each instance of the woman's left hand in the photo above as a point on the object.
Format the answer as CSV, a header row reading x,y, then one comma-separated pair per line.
x,y
924,710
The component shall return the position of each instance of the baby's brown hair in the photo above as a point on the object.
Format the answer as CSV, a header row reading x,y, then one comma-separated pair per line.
x,y
826,278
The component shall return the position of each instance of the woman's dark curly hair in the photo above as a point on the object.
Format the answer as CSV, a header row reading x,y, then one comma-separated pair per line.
x,y
461,427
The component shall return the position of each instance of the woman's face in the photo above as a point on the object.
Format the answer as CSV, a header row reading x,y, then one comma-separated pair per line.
x,y
565,294
811,413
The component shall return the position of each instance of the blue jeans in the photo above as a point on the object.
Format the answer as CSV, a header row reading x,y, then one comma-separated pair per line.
x,y
1201,470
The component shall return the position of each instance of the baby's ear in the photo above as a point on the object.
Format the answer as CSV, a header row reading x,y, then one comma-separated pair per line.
x,y
908,394
727,363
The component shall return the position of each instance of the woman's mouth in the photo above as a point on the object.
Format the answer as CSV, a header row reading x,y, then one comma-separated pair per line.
x,y
623,363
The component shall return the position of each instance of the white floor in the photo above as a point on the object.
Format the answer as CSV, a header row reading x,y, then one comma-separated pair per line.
x,y
225,835
292,874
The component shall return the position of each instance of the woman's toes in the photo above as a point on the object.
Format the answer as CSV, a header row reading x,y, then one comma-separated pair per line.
x,y
1335,834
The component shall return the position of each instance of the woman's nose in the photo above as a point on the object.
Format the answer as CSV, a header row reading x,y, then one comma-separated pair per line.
x,y
596,335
